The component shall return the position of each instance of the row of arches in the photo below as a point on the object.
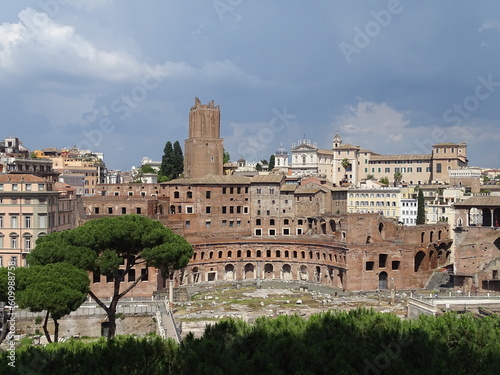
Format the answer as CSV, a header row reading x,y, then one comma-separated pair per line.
x,y
485,217
432,236
202,255
434,259
267,271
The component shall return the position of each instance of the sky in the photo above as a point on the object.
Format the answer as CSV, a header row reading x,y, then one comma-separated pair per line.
x,y
119,76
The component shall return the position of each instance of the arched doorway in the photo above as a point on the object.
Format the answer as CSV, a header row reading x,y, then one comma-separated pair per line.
x,y
196,275
382,280
419,257
323,226
303,274
333,226
249,271
229,272
287,272
268,271
381,230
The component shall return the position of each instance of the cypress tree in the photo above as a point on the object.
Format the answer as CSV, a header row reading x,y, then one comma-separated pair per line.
x,y
272,162
178,160
421,208
166,168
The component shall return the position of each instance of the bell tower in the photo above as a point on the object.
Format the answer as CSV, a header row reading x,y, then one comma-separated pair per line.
x,y
203,150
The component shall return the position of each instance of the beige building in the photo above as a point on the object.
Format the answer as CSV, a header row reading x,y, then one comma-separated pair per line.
x,y
28,210
351,164
384,201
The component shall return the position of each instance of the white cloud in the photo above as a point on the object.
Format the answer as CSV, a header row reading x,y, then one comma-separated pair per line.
x,y
490,24
375,125
37,44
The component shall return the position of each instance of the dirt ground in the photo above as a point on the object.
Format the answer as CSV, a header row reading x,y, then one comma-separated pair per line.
x,y
249,303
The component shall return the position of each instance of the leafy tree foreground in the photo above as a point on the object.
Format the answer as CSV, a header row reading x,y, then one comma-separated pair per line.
x,y
356,342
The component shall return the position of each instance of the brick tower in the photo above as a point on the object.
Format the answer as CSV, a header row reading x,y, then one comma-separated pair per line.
x,y
203,150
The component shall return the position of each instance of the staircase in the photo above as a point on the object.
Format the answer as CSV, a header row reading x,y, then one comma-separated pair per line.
x,y
437,278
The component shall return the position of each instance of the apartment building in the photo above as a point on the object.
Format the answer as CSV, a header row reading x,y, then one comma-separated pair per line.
x,y
28,210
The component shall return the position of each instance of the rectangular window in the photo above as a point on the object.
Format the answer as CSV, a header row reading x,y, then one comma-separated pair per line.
x,y
14,187
231,209
259,191
13,260
96,210
207,224
1,221
395,265
27,243
438,167
382,260
238,209
28,187
27,221
138,210
286,231
189,209
258,221
238,223
207,209
369,266
124,210
245,210
299,231
224,209
41,187
272,232
96,277
224,223
13,242
131,275
110,210
231,223
144,274
258,232
223,190
207,194
13,221
188,224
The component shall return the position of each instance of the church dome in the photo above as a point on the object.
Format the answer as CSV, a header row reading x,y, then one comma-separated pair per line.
x,y
281,151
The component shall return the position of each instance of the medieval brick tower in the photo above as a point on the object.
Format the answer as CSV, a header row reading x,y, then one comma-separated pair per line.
x,y
203,150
